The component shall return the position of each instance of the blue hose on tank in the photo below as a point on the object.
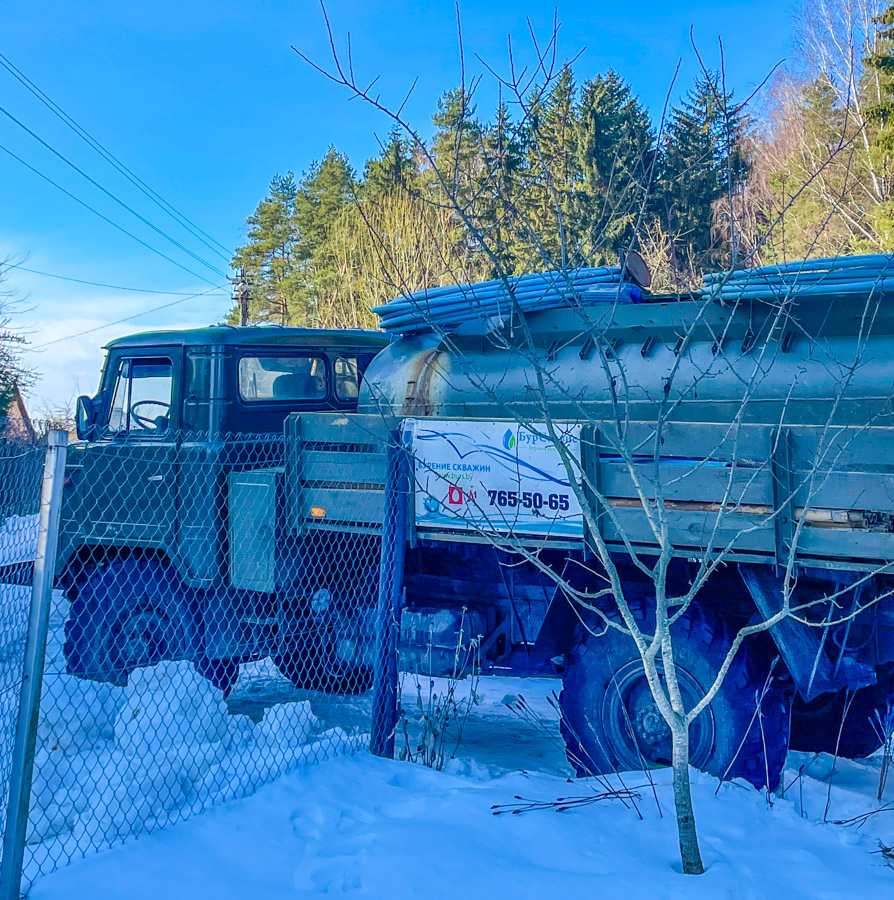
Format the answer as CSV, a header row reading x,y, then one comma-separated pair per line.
x,y
804,278
445,308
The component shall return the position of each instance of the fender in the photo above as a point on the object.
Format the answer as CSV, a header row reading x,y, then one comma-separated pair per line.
x,y
800,646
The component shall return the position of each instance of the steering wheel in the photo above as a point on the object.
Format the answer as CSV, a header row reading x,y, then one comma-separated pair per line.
x,y
145,421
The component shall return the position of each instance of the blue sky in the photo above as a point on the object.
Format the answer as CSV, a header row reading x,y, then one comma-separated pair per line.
x,y
206,101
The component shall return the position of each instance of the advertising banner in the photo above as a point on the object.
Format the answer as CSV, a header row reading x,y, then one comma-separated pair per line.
x,y
494,476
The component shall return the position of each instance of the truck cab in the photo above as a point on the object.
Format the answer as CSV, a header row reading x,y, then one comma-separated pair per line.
x,y
144,538
222,380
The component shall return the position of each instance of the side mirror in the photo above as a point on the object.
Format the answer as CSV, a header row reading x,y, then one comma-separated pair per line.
x,y
84,418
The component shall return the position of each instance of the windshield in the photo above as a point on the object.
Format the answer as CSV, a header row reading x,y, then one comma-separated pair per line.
x,y
141,398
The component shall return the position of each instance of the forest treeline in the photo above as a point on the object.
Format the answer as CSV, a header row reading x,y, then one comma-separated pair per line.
x,y
576,171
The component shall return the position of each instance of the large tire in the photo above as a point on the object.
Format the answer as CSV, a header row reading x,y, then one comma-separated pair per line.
x,y
817,726
134,612
605,701
313,667
310,660
310,655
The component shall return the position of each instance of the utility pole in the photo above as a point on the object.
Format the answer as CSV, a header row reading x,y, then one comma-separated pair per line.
x,y
240,293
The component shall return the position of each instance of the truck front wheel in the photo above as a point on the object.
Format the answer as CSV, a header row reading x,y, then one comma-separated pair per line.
x,y
610,722
129,613
325,644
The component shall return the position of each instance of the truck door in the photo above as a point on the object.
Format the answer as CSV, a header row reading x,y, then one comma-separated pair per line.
x,y
129,470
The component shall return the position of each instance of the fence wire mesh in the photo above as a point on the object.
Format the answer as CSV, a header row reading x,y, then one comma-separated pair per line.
x,y
213,627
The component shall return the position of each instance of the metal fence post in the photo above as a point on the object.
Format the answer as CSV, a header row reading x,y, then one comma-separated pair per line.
x,y
32,668
391,583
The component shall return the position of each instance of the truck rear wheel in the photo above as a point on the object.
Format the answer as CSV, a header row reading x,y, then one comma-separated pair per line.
x,y
610,723
324,644
821,725
311,669
130,613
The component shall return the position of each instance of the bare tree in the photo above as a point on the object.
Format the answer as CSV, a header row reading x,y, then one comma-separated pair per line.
x,y
399,237
13,372
817,178
57,416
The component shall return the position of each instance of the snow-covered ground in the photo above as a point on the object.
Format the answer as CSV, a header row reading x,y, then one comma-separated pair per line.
x,y
117,761
113,762
18,539
388,829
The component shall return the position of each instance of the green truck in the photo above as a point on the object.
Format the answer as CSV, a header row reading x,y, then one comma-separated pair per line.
x,y
227,500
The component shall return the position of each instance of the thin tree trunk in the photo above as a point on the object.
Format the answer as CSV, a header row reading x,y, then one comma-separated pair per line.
x,y
690,855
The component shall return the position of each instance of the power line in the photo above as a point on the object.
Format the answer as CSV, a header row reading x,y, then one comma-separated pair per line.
x,y
108,193
138,315
120,228
114,287
134,179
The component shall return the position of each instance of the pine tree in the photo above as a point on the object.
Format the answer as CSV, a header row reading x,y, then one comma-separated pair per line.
x,y
268,256
282,257
323,194
703,160
615,144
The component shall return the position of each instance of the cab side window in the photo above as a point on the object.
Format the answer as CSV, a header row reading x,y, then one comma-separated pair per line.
x,y
141,397
282,378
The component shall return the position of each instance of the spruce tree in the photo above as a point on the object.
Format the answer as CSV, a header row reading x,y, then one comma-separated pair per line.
x,y
702,161
458,152
559,130
615,143
880,63
497,216
552,174
394,169
457,145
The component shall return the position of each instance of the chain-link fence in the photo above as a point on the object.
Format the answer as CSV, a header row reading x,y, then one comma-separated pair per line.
x,y
21,464
214,625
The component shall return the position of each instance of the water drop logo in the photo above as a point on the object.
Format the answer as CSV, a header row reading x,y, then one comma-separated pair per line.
x,y
509,439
